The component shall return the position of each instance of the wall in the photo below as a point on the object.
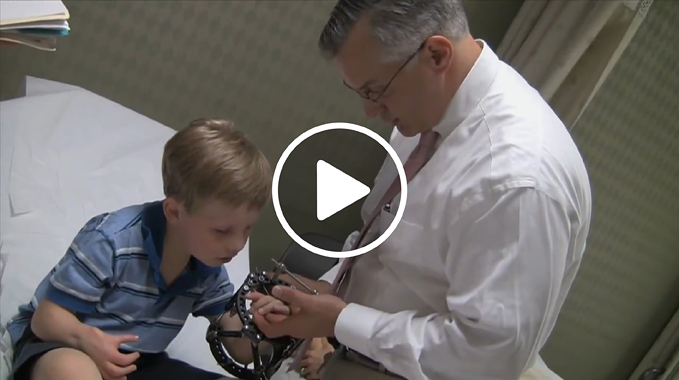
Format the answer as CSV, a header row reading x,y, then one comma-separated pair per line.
x,y
252,61
628,287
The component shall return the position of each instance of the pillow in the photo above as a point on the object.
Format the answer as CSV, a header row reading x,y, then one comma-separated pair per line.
x,y
68,154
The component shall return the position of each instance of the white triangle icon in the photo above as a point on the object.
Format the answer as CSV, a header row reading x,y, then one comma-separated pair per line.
x,y
335,190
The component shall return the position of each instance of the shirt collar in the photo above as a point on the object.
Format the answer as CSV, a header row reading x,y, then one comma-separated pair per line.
x,y
153,224
473,88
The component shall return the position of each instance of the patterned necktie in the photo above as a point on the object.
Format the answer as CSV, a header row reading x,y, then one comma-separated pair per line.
x,y
417,159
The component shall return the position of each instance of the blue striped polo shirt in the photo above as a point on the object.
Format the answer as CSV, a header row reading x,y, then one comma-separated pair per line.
x,y
110,277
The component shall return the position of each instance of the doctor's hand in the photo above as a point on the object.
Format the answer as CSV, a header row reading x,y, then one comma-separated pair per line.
x,y
311,315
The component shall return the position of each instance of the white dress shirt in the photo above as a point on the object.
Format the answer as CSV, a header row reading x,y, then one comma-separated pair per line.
x,y
470,283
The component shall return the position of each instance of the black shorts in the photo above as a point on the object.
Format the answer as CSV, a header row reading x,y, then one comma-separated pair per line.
x,y
30,348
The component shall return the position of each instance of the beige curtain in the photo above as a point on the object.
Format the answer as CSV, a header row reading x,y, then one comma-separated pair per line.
x,y
566,48
662,360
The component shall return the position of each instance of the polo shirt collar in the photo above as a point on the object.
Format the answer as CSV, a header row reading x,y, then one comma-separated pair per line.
x,y
153,224
470,93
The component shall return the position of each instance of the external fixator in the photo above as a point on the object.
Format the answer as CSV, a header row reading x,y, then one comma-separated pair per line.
x,y
268,353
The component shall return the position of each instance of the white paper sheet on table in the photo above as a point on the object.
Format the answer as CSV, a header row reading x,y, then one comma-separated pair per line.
x,y
50,159
34,109
38,86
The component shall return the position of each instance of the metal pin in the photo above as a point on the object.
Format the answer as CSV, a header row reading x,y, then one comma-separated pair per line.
x,y
280,266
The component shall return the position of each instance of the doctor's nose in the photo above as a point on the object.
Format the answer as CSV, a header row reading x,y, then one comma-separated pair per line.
x,y
371,108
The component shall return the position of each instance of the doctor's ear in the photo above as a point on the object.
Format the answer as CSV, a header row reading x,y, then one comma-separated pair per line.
x,y
439,52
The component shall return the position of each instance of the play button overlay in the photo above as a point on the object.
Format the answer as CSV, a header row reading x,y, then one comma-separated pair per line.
x,y
335,190
344,159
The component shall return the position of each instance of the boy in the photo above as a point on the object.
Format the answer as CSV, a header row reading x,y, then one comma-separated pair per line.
x,y
126,285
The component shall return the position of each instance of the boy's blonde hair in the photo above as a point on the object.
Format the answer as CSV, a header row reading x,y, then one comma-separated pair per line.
x,y
210,159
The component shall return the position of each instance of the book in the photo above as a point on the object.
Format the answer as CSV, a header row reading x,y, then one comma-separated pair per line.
x,y
37,24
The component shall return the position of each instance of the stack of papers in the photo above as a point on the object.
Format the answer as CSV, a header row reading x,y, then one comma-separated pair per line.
x,y
37,24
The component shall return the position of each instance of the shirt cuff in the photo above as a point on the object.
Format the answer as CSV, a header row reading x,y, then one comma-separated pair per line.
x,y
212,310
354,327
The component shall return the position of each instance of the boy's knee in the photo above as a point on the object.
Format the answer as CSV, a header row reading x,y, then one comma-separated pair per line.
x,y
65,363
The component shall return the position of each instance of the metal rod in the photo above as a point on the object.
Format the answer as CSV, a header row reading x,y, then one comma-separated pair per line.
x,y
281,266
277,272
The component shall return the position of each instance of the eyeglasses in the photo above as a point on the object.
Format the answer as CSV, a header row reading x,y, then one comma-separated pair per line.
x,y
376,95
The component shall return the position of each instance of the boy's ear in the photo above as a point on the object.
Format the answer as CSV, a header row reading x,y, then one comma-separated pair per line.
x,y
172,209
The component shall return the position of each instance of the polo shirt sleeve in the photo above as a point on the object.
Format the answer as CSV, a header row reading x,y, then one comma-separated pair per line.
x,y
81,277
217,294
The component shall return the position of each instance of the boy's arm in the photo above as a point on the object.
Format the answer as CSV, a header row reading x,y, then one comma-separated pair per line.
x,y
212,303
240,349
76,284
53,323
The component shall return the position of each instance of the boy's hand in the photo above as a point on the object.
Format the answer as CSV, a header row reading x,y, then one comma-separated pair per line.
x,y
312,315
102,348
263,304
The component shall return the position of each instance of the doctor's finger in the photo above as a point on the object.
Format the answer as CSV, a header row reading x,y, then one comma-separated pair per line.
x,y
266,327
275,318
261,322
293,297
286,326
270,324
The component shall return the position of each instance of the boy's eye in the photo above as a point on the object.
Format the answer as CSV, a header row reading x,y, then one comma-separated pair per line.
x,y
223,232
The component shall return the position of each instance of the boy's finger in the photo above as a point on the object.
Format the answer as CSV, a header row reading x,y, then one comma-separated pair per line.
x,y
124,371
126,338
257,304
124,360
254,296
281,309
274,306
263,304
117,372
266,308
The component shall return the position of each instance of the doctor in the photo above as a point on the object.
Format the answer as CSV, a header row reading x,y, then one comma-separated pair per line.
x,y
470,283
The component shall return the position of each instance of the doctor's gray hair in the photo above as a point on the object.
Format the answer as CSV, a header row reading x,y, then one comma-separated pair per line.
x,y
400,26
